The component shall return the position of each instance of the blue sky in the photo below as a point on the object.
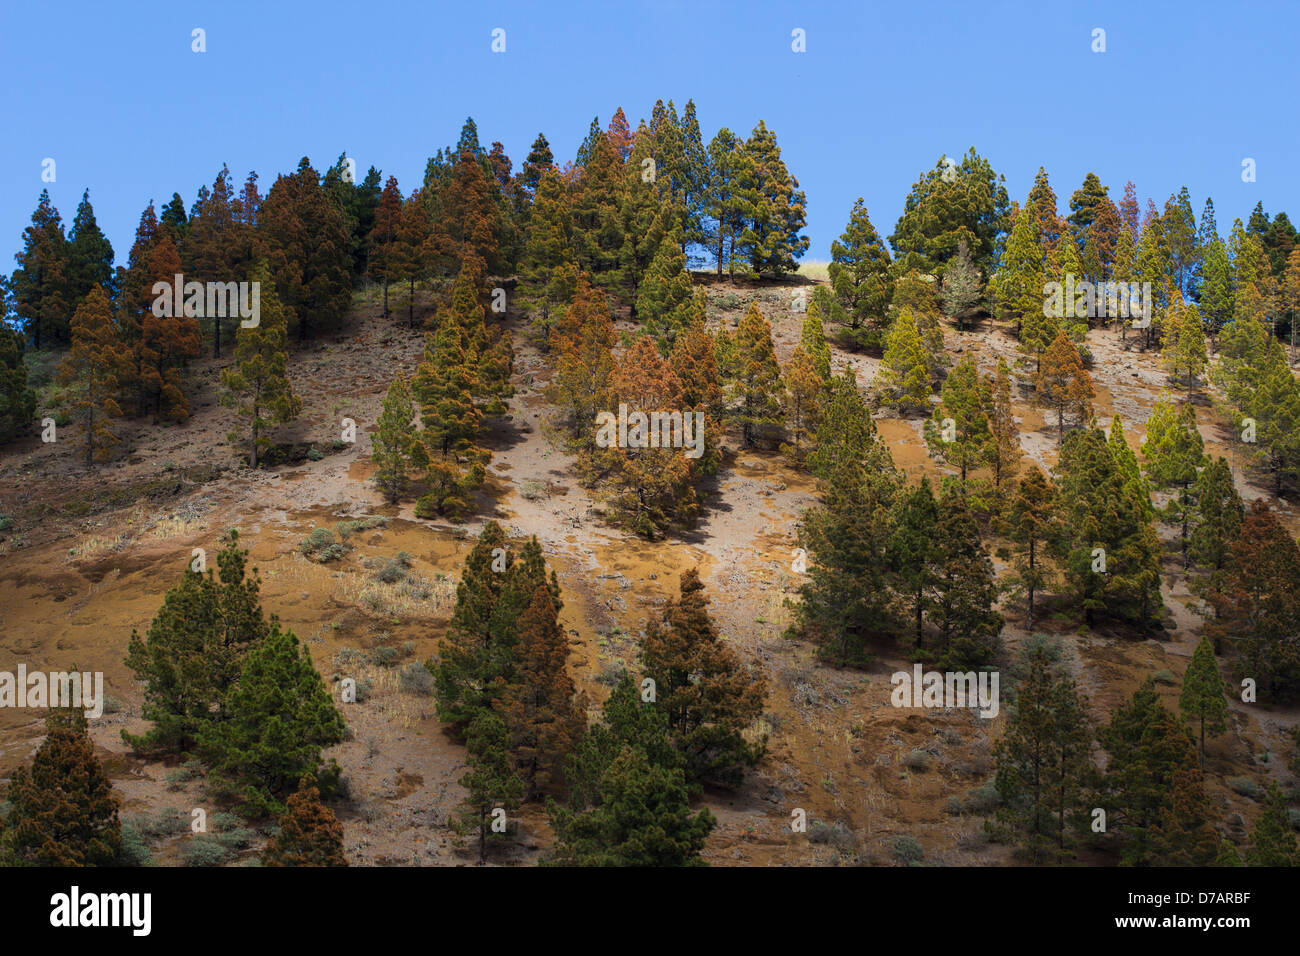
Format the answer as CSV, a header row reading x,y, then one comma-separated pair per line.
x,y
1182,94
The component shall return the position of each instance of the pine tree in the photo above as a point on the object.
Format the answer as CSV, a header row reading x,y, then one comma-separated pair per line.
x,y
1004,444
538,707
711,699
193,653
1063,384
1148,749
475,650
965,588
1184,835
17,398
904,377
1017,286
1203,698
1216,516
385,256
724,204
165,344
468,230
1273,843
258,386
491,785
90,254
1042,205
584,363
280,716
958,433
477,655
308,249
210,247
846,603
952,202
1106,524
62,808
962,286
597,212
1175,453
804,388
1085,204
919,294
752,378
646,212
1043,760
548,250
1032,524
774,207
1216,286
1180,231
913,549
392,445
812,339
1185,343
626,720
665,300
310,834
859,270
1256,604
643,819
411,256
650,486
41,283
92,372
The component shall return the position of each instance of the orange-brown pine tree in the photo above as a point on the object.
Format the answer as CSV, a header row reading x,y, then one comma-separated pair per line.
x,y
310,834
93,371
1063,384
165,344
543,718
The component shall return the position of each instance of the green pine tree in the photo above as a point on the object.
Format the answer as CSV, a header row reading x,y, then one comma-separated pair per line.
x,y
1204,696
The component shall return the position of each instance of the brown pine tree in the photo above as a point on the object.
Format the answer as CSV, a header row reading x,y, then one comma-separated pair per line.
x,y
651,484
165,344
386,253
63,811
93,372
310,834
542,717
1063,384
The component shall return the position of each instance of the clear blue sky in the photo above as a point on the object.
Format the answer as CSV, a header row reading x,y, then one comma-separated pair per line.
x,y
1182,94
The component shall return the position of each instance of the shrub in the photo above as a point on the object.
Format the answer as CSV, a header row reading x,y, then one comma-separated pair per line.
x,y
1244,786
346,528
415,678
916,760
203,850
383,656
393,570
982,799
135,848
322,546
1164,676
907,849
315,454
838,836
